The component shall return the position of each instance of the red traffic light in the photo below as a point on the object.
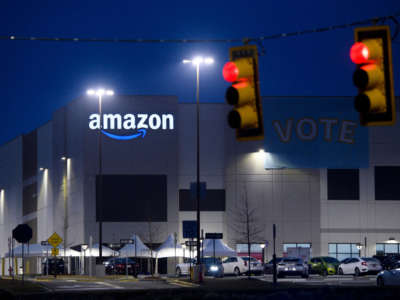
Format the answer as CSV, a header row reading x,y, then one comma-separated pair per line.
x,y
359,53
230,72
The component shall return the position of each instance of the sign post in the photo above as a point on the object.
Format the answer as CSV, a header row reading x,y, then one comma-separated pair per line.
x,y
22,233
55,240
214,236
127,241
274,255
46,243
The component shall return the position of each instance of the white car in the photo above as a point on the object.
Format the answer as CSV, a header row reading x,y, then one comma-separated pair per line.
x,y
359,265
234,265
183,268
389,277
255,265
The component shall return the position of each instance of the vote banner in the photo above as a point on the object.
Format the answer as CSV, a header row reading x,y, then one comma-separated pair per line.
x,y
313,132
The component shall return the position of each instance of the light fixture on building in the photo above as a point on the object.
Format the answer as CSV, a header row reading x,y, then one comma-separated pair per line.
x,y
262,246
84,247
63,158
392,240
100,92
41,169
359,247
261,151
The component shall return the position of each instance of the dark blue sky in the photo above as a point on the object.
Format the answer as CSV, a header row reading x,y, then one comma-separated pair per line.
x,y
36,78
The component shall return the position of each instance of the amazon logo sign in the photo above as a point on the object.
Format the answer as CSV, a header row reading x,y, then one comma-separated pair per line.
x,y
137,124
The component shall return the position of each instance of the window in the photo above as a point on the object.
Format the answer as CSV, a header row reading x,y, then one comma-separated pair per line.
x,y
131,198
295,245
387,248
213,200
29,199
254,248
386,183
343,184
342,251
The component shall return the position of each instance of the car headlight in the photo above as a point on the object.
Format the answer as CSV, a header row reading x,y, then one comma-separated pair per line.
x,y
213,268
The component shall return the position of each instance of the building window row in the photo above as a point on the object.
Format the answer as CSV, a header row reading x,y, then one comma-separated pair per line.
x,y
344,184
387,248
342,251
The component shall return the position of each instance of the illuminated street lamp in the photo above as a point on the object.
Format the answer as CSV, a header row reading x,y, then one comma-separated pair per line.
x,y
84,247
99,93
262,251
197,61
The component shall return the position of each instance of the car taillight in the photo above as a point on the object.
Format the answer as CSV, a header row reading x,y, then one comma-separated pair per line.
x,y
364,263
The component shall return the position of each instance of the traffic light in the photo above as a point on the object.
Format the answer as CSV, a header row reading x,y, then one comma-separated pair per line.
x,y
373,77
244,94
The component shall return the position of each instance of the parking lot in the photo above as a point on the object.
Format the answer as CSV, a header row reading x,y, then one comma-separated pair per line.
x,y
86,283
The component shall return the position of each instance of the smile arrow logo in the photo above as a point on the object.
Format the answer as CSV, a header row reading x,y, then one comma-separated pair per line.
x,y
141,132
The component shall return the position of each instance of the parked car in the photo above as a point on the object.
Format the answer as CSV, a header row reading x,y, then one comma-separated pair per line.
x,y
324,265
234,265
389,261
292,266
359,265
389,277
269,267
213,267
56,266
255,265
117,265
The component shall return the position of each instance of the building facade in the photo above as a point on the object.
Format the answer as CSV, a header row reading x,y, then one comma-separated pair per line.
x,y
49,178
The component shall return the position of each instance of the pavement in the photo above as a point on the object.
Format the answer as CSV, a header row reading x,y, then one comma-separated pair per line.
x,y
331,280
122,282
163,287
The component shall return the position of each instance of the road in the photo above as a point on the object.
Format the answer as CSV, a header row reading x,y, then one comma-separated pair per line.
x,y
336,280
62,284
134,284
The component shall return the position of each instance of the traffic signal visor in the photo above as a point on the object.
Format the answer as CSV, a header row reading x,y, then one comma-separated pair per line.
x,y
373,76
241,94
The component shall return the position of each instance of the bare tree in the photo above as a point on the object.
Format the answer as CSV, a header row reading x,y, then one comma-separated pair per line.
x,y
153,235
245,223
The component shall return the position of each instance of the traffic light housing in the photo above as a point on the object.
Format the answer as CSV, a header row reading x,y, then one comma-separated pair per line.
x,y
372,53
244,94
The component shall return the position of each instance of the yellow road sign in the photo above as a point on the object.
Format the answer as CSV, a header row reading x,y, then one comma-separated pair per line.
x,y
55,239
55,251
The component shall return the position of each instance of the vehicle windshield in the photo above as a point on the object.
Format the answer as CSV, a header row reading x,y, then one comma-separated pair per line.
x,y
278,259
211,260
292,260
370,259
123,261
246,258
330,260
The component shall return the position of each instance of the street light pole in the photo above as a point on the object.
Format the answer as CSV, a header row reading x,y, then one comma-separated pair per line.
x,y
100,93
198,162
197,61
100,185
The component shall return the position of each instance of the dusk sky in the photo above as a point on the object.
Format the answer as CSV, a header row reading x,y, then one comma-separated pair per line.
x,y
36,78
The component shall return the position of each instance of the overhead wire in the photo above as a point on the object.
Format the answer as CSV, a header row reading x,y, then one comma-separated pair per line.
x,y
245,40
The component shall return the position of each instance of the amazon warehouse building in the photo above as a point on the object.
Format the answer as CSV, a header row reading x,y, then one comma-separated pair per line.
x,y
329,184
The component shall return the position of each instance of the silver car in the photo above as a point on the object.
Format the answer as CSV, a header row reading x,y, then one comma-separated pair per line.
x,y
389,277
292,266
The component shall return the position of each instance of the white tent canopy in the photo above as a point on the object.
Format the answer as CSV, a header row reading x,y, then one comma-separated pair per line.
x,y
221,249
39,250
137,249
167,249
94,251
